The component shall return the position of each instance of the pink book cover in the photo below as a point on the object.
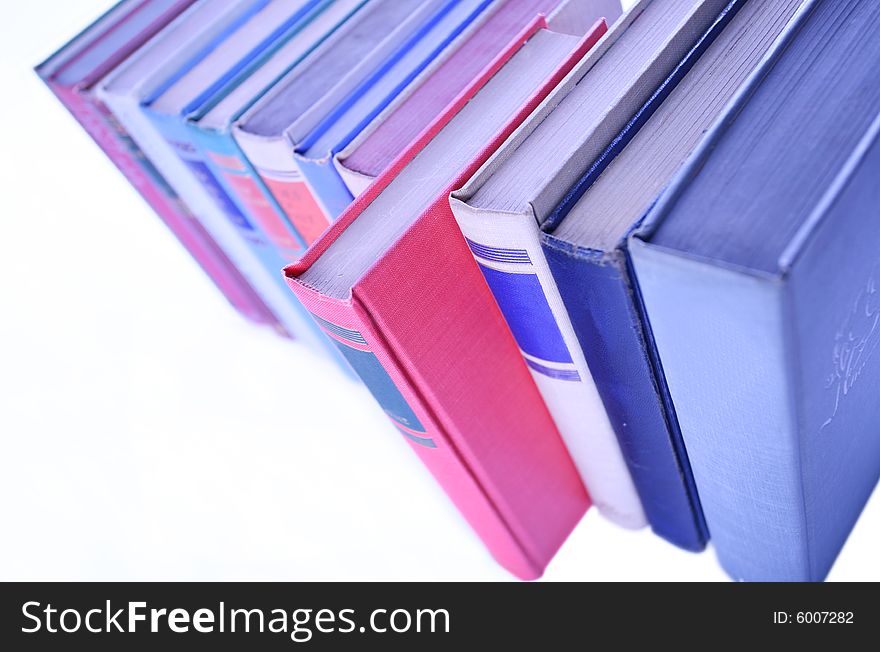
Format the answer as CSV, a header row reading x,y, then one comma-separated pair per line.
x,y
369,155
77,96
441,361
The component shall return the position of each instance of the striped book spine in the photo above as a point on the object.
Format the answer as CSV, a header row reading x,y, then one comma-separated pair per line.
x,y
246,189
507,249
118,145
199,163
274,161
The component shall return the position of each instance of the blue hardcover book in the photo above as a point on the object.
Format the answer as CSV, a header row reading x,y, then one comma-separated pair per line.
x,y
212,122
315,151
760,271
291,142
229,61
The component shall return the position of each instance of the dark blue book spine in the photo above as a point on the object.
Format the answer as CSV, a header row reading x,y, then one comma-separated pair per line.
x,y
605,311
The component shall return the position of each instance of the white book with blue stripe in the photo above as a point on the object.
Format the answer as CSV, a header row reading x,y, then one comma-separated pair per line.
x,y
507,247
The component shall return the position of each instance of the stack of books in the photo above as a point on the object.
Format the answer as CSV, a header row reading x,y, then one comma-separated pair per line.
x,y
578,257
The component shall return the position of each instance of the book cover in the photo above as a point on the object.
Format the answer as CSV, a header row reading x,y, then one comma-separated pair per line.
x,y
184,94
211,123
507,248
72,75
433,346
759,271
384,32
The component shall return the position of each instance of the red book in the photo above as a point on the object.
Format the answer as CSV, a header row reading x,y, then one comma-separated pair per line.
x,y
394,284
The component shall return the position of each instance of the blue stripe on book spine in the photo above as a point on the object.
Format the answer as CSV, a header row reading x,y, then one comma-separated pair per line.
x,y
559,374
353,345
339,331
499,255
525,307
220,196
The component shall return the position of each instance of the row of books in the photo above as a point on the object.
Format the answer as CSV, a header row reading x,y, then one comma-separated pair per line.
x,y
578,257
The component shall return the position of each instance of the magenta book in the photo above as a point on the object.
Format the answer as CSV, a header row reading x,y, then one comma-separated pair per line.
x,y
72,73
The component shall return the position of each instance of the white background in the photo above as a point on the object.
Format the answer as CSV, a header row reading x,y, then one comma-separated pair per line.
x,y
149,432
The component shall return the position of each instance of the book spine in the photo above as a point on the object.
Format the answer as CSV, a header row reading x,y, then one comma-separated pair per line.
x,y
326,185
599,299
245,187
439,320
117,144
286,306
349,329
237,180
275,163
507,248
129,111
780,424
356,182
178,138
471,413
722,339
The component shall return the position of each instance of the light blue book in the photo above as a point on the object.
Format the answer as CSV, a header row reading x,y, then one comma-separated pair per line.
x,y
211,123
229,60
760,272
340,126
292,134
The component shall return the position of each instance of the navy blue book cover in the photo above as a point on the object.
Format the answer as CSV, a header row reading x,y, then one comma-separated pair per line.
x,y
760,269
606,316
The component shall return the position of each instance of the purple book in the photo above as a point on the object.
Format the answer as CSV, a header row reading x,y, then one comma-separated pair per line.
x,y
72,74
392,131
